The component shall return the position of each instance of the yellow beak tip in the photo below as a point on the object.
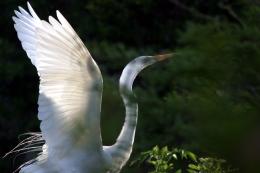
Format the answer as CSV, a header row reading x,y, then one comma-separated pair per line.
x,y
163,56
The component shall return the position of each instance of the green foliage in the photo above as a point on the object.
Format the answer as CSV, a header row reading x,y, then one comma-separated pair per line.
x,y
212,104
168,161
159,158
209,165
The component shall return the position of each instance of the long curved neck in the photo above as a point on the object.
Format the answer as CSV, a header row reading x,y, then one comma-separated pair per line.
x,y
125,140
121,150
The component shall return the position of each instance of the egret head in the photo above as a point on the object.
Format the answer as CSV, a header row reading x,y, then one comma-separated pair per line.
x,y
134,67
145,61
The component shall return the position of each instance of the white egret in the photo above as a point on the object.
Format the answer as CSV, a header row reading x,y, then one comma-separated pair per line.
x,y
69,101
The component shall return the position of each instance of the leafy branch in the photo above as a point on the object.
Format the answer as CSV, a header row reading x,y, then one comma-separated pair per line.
x,y
178,160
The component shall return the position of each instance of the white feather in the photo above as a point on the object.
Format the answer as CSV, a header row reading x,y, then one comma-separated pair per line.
x,y
66,83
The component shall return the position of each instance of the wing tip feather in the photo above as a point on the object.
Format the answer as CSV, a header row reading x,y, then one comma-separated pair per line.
x,y
32,11
14,19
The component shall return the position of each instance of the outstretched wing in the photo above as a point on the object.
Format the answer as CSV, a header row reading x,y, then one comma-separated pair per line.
x,y
70,81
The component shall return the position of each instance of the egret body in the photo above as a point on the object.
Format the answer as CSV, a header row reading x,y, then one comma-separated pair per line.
x,y
70,93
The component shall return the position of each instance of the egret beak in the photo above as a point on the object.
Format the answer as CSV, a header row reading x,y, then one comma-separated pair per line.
x,y
163,56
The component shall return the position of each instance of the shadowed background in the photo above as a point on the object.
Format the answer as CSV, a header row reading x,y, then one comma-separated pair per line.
x,y
205,99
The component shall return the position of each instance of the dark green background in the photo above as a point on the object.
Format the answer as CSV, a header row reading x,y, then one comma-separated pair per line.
x,y
205,99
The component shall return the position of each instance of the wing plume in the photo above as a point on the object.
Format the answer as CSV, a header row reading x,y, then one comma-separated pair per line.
x,y
70,81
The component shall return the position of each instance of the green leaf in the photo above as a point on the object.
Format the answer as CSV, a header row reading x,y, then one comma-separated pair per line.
x,y
195,167
192,156
179,171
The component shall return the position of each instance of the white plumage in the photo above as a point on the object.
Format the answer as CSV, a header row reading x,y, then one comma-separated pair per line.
x,y
69,101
